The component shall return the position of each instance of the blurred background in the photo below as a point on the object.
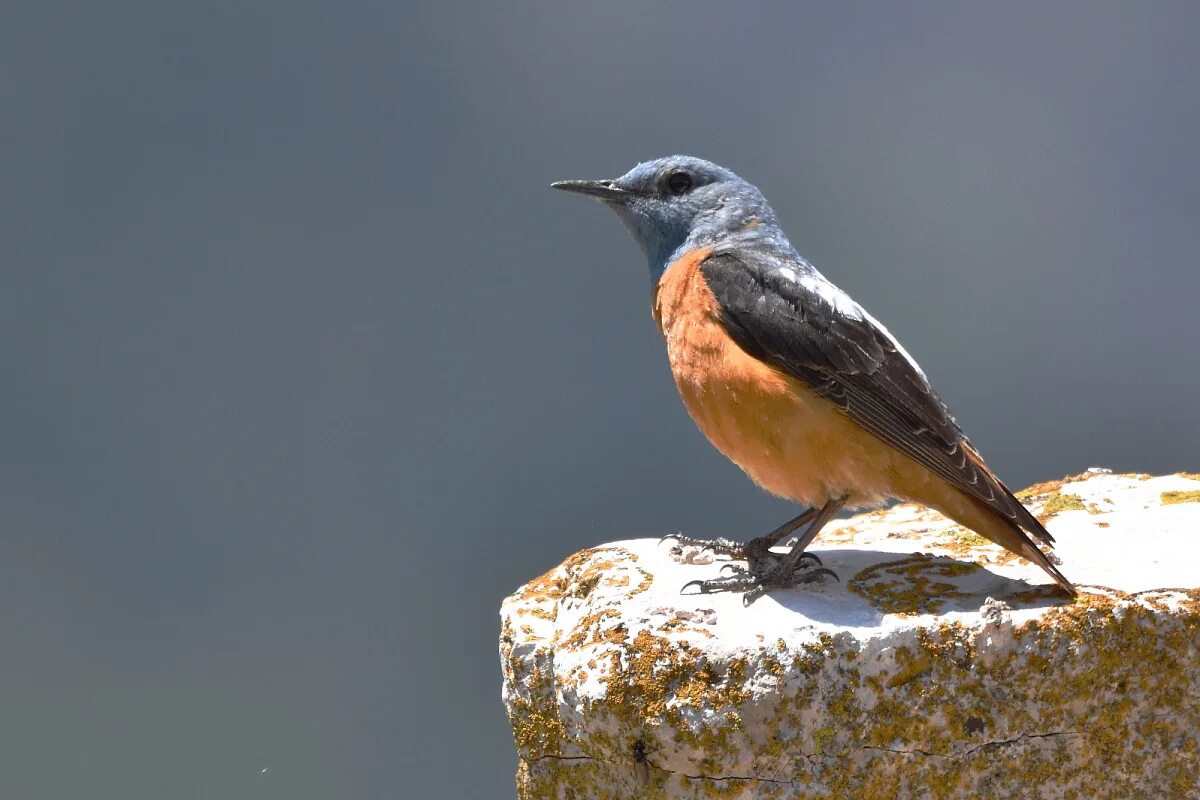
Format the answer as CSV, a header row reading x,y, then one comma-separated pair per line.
x,y
305,367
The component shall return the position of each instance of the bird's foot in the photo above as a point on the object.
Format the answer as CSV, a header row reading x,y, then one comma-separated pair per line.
x,y
754,583
754,550
720,547
764,569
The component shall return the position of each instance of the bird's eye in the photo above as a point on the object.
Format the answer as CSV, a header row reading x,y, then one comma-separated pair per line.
x,y
679,182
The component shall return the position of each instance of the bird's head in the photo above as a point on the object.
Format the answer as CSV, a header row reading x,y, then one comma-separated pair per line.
x,y
675,204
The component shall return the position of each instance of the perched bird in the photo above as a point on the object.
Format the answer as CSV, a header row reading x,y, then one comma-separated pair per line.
x,y
792,379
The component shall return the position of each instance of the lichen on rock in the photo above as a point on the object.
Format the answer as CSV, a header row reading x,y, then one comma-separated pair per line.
x,y
939,669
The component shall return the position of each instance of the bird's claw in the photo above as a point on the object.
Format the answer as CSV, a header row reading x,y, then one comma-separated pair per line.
x,y
722,547
737,569
808,576
727,547
813,557
727,583
736,578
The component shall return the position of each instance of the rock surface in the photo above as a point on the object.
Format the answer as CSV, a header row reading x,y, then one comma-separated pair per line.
x,y
941,667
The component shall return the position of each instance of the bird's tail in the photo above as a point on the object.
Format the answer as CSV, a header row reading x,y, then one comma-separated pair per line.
x,y
1005,532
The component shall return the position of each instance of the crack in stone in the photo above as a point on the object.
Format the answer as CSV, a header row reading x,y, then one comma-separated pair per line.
x,y
775,781
811,756
971,751
1025,737
1022,738
554,757
912,752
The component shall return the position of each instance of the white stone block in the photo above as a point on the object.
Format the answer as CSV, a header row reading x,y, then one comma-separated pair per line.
x,y
941,667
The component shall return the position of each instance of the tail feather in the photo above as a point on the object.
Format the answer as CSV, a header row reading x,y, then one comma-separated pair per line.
x,y
1034,554
1011,536
1011,531
1003,501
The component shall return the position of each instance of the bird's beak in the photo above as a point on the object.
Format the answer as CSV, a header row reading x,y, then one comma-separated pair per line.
x,y
605,190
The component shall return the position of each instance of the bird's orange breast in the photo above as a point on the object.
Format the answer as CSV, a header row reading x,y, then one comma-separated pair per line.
x,y
787,439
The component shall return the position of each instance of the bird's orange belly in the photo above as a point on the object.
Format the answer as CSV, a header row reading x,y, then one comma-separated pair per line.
x,y
789,440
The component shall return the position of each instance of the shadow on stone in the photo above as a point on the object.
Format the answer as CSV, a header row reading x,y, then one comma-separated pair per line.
x,y
917,583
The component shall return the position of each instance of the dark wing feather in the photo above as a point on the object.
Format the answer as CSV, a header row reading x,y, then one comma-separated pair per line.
x,y
851,362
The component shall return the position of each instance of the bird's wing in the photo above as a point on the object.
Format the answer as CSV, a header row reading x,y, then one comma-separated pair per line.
x,y
782,312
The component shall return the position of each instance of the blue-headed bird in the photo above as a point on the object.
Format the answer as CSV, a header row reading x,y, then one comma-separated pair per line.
x,y
792,379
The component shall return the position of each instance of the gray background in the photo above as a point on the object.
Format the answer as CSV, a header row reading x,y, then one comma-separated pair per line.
x,y
305,367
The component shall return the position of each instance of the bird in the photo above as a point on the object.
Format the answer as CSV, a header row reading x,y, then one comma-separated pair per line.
x,y
792,379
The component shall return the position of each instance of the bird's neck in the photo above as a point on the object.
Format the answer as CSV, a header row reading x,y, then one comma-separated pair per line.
x,y
751,234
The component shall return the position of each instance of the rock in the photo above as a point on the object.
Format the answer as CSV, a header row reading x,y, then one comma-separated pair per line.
x,y
942,667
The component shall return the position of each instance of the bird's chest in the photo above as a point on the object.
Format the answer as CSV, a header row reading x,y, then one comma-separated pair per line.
x,y
787,439
740,403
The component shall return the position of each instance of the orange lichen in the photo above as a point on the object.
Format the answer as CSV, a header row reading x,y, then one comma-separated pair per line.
x,y
1059,502
905,586
1171,498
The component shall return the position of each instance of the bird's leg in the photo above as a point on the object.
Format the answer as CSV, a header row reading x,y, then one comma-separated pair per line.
x,y
827,512
761,547
785,572
764,572
755,548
